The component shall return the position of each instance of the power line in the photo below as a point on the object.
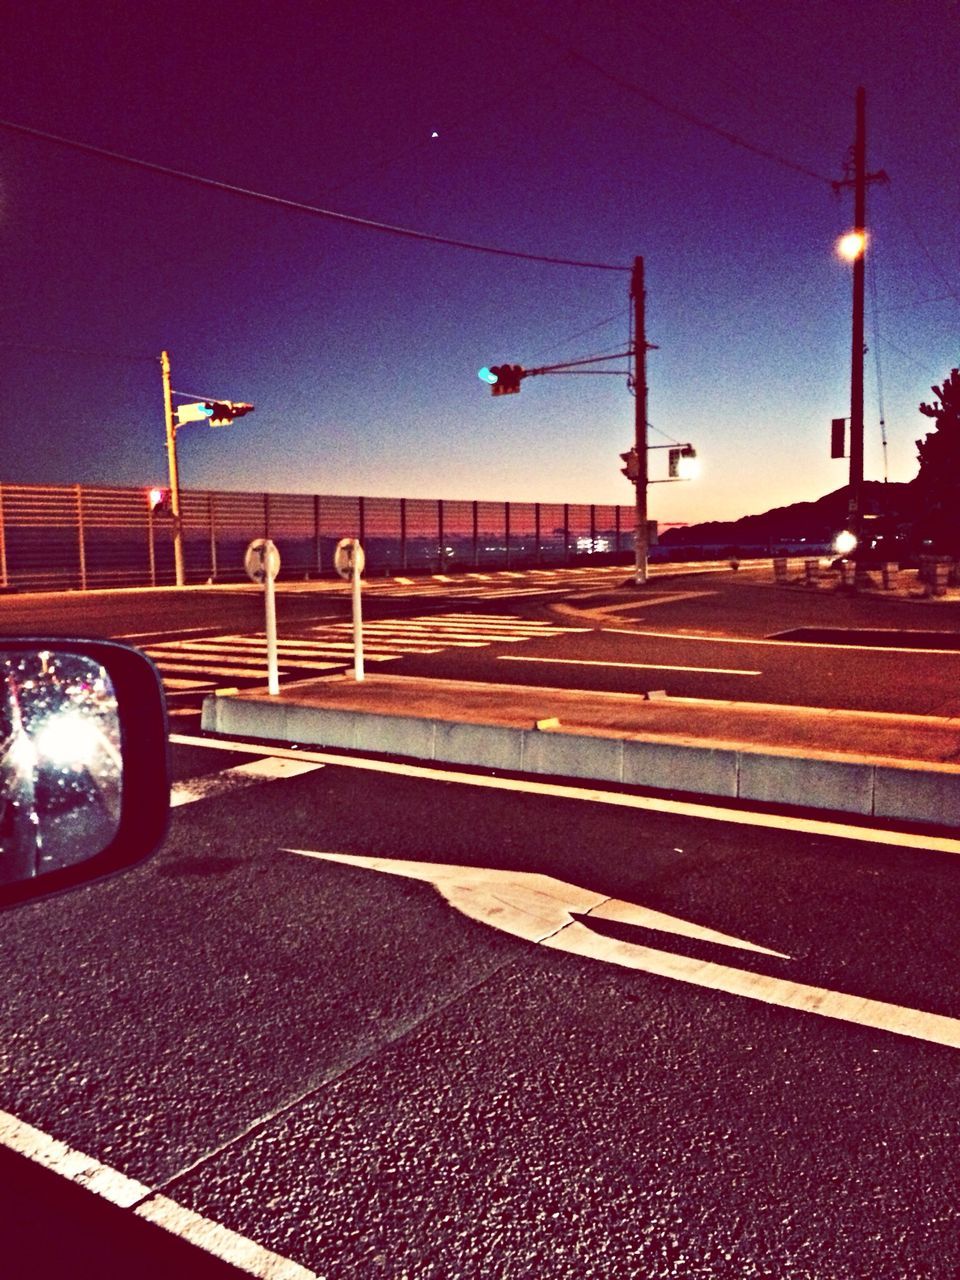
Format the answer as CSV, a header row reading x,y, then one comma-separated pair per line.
x,y
876,358
617,315
45,349
301,207
687,116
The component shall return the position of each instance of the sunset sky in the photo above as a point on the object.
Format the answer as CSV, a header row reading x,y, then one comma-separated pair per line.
x,y
701,135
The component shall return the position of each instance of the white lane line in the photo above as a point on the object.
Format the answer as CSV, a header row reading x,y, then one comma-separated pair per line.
x,y
174,685
616,799
639,666
936,1028
119,1189
16,1135
783,644
251,773
220,1241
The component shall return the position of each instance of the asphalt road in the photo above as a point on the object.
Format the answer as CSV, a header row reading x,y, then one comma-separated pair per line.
x,y
378,1071
699,635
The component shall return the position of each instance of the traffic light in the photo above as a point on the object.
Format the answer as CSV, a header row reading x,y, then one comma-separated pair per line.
x,y
223,412
158,499
503,379
632,469
838,432
673,464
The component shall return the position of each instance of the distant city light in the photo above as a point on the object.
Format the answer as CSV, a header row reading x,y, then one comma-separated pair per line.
x,y
844,542
852,245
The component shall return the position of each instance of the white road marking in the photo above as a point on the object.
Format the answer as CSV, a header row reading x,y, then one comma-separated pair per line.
x,y
530,905
220,1241
783,644
538,909
638,666
651,601
199,666
251,773
224,653
119,1189
617,799
935,1028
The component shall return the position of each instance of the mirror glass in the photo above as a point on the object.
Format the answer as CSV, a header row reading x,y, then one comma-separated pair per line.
x,y
61,764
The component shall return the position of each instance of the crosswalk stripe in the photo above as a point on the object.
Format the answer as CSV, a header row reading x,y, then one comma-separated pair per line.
x,y
198,667
328,648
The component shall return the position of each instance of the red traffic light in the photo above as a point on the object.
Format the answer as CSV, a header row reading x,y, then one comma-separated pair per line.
x,y
224,411
507,379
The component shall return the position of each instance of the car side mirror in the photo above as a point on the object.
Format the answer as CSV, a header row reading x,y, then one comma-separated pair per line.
x,y
84,763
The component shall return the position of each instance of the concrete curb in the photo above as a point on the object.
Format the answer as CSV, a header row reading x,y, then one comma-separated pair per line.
x,y
908,791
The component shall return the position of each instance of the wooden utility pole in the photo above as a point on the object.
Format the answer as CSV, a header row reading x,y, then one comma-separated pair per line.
x,y
858,179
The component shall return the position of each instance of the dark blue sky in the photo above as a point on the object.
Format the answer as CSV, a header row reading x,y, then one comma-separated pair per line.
x,y
360,349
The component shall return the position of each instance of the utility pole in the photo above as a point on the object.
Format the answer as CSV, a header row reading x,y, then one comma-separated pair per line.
x,y
641,545
172,467
858,181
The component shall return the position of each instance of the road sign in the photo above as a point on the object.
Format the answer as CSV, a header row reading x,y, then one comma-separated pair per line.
x,y
193,412
262,563
261,560
348,560
348,551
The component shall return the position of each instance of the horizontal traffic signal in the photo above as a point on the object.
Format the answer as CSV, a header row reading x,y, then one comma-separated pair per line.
x,y
223,412
503,379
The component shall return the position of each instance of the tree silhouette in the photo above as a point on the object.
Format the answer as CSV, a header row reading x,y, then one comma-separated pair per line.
x,y
938,482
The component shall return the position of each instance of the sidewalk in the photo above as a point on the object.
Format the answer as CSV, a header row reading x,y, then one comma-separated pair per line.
x,y
880,765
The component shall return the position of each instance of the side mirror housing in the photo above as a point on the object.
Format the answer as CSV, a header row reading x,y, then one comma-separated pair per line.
x,y
84,763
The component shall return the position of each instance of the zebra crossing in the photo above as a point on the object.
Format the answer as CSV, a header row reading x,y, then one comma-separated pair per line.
x,y
479,585
194,666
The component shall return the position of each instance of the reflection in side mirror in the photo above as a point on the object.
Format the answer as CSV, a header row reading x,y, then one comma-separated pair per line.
x,y
60,762
84,781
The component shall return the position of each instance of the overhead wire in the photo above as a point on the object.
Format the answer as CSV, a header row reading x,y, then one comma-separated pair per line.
x,y
688,117
877,367
298,206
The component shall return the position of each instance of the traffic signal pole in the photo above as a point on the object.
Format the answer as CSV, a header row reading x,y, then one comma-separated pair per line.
x,y
641,543
172,467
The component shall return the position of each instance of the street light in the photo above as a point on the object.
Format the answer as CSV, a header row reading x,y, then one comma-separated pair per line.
x,y
852,245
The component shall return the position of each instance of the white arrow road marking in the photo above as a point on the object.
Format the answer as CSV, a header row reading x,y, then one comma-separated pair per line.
x,y
248,774
529,905
538,909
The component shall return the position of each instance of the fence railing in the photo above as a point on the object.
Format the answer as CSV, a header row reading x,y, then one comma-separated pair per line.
x,y
81,537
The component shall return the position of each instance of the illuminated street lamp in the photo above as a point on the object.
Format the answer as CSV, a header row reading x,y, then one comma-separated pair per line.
x,y
851,246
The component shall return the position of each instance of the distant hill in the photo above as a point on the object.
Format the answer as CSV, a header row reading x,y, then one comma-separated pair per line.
x,y
802,522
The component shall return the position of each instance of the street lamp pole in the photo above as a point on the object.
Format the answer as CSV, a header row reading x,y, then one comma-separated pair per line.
x,y
172,468
641,541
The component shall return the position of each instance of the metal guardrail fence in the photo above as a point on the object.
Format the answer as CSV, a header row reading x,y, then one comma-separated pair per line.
x,y
69,537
